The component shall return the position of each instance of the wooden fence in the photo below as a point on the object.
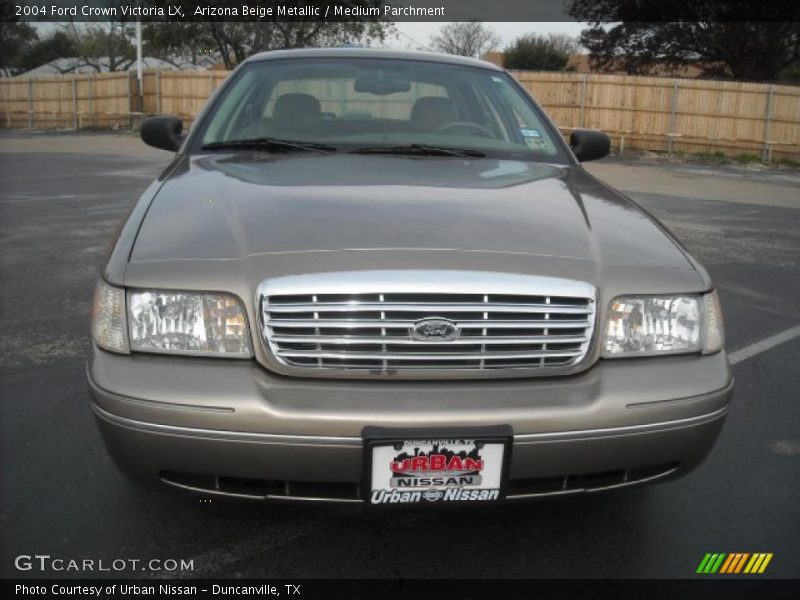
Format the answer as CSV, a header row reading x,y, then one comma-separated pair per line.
x,y
687,115
655,113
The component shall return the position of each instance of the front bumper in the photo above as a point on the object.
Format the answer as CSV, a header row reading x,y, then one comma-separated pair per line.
x,y
232,427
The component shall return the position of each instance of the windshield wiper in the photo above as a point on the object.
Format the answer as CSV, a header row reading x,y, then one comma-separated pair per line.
x,y
270,144
421,150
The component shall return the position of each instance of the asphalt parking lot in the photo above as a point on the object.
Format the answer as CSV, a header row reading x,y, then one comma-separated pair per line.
x,y
61,199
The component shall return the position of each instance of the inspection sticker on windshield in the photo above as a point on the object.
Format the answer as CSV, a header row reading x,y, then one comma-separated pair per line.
x,y
419,471
530,133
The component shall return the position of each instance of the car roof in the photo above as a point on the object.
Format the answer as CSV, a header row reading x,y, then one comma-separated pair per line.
x,y
350,52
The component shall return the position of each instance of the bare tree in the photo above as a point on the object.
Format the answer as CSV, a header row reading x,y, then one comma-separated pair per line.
x,y
470,38
102,46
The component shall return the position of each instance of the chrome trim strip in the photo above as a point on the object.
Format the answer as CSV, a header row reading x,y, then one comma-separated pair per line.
x,y
400,324
424,281
234,436
464,341
315,499
210,492
433,309
512,497
529,438
625,484
542,494
356,442
423,356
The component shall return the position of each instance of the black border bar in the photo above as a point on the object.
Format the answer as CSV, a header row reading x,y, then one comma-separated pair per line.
x,y
399,10
390,589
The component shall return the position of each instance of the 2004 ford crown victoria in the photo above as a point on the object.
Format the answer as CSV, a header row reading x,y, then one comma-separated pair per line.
x,y
383,277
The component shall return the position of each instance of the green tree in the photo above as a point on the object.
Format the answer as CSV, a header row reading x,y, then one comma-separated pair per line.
x,y
177,43
45,50
15,39
534,52
724,38
235,41
790,74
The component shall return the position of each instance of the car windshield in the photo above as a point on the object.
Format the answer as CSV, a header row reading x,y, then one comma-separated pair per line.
x,y
391,106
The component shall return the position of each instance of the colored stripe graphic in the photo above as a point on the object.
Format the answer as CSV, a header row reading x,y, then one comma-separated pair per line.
x,y
727,564
764,564
734,563
716,564
703,563
755,562
741,562
711,563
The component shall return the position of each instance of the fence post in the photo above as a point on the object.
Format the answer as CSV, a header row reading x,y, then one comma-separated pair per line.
x,y
158,92
210,83
582,120
90,84
130,94
30,103
136,96
673,119
766,154
74,103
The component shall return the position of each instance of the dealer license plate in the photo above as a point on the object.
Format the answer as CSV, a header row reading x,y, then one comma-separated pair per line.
x,y
446,469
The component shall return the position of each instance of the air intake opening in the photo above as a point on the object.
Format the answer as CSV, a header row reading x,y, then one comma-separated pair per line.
x,y
588,481
262,488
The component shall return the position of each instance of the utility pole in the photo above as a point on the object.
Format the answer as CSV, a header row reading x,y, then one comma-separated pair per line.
x,y
139,54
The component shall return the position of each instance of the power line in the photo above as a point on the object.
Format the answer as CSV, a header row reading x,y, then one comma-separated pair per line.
x,y
408,37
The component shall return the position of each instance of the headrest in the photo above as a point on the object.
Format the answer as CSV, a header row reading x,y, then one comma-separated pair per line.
x,y
296,112
429,113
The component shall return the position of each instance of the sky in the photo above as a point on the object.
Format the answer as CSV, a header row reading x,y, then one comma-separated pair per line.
x,y
410,32
412,35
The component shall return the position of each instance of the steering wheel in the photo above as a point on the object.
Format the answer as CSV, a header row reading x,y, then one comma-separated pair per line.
x,y
467,125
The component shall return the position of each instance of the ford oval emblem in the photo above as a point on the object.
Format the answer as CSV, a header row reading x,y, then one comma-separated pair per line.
x,y
434,329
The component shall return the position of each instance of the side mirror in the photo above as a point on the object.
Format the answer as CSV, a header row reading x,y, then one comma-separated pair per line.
x,y
162,132
589,144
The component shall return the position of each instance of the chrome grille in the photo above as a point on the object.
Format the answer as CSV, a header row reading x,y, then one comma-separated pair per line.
x,y
372,330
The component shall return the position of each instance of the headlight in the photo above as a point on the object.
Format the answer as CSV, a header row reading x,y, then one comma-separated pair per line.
x,y
655,325
109,329
188,323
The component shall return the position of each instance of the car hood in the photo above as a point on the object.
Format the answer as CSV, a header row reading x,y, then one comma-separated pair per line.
x,y
234,206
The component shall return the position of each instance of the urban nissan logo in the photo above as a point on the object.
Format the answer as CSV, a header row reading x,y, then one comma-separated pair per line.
x,y
434,329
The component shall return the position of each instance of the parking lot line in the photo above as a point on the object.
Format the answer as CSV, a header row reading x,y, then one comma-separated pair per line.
x,y
763,345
